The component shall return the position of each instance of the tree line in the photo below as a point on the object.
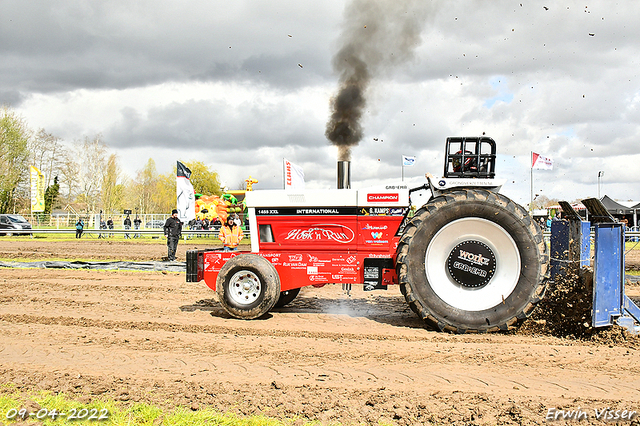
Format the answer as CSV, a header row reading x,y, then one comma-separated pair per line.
x,y
84,173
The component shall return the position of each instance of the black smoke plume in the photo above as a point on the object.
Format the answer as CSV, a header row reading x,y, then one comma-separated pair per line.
x,y
377,35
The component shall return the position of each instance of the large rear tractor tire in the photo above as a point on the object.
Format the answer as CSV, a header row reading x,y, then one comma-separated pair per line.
x,y
248,286
472,260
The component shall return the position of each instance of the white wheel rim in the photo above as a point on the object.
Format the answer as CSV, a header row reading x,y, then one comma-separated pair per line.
x,y
244,287
497,239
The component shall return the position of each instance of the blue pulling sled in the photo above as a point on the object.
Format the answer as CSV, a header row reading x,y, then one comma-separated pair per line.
x,y
571,248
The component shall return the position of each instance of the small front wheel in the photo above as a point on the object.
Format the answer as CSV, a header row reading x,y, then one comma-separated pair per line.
x,y
248,286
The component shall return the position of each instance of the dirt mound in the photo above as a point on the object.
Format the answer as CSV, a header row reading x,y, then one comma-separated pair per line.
x,y
565,312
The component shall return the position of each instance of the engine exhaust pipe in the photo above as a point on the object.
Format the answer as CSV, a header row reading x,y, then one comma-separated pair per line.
x,y
344,174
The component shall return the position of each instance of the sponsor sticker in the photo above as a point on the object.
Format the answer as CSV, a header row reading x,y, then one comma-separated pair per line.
x,y
373,227
383,198
316,278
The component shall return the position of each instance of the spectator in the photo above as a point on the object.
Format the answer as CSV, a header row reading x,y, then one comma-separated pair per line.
x,y
110,225
192,226
103,225
230,234
79,228
127,226
136,225
173,232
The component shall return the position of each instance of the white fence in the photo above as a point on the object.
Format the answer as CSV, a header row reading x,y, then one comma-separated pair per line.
x,y
92,221
106,233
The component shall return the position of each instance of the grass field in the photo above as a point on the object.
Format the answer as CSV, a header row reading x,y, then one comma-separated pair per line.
x,y
47,408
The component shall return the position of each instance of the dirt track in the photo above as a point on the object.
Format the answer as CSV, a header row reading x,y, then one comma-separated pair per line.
x,y
140,336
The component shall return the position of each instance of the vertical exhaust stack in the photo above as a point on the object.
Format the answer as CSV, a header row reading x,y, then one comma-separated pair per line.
x,y
344,174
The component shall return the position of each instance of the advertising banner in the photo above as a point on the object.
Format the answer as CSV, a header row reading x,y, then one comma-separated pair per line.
x,y
186,200
37,190
541,163
408,161
293,176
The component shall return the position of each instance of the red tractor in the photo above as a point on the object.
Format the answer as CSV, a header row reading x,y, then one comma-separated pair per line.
x,y
469,260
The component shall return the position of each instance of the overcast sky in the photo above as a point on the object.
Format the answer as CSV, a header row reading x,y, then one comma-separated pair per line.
x,y
241,85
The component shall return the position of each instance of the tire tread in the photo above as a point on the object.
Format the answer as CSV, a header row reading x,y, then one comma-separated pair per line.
x,y
482,196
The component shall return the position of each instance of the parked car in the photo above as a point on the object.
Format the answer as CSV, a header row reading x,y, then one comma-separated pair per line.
x,y
13,222
154,224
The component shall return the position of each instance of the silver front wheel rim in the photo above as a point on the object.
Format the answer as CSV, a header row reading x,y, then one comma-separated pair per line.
x,y
244,287
499,242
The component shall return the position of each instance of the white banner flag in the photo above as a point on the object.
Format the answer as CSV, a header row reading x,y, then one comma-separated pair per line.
x,y
408,161
540,162
186,201
293,176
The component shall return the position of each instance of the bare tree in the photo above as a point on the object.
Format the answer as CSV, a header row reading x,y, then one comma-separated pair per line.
x,y
44,153
145,186
92,156
542,201
112,190
69,172
166,192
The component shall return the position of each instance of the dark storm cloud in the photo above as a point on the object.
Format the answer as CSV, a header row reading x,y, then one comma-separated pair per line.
x,y
283,72
292,71
527,40
65,45
11,97
213,126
